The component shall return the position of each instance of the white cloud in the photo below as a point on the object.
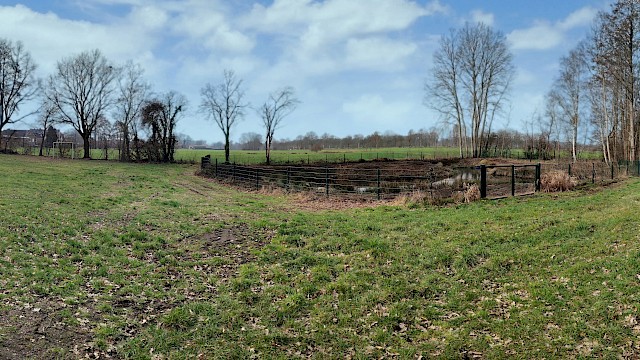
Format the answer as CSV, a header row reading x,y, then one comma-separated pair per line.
x,y
478,16
205,24
378,112
331,36
579,18
544,35
149,17
541,36
50,38
378,53
320,24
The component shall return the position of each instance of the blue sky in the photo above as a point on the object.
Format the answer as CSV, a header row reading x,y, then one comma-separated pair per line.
x,y
358,66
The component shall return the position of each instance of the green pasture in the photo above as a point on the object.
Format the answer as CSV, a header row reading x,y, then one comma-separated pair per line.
x,y
140,261
308,156
245,157
347,155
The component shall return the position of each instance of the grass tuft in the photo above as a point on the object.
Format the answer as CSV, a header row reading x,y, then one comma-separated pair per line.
x,y
556,181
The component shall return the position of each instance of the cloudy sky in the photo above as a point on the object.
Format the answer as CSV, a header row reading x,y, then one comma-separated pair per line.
x,y
358,66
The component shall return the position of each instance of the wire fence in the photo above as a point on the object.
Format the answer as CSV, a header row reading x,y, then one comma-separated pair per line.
x,y
387,180
433,180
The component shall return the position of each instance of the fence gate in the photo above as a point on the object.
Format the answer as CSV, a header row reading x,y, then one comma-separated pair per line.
x,y
498,181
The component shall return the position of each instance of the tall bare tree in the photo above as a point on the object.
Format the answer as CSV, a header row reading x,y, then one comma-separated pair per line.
x,y
161,116
569,93
443,92
281,103
224,103
487,71
82,90
47,116
471,76
17,82
614,59
132,90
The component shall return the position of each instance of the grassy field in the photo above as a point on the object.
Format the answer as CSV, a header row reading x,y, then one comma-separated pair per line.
x,y
308,156
152,262
342,155
245,157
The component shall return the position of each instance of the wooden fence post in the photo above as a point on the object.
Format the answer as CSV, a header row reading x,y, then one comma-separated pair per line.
x,y
538,175
483,181
513,180
378,190
611,171
326,181
257,179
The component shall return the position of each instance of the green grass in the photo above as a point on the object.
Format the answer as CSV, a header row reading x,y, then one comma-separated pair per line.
x,y
308,156
127,250
327,155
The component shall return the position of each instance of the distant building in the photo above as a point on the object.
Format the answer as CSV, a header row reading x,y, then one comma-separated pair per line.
x,y
22,138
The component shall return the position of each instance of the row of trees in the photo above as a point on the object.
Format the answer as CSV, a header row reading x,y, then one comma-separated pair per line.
x,y
597,85
596,91
469,85
84,89
502,142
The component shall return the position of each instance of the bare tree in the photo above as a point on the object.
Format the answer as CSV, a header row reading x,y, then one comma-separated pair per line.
x,y
82,88
443,90
614,59
161,117
550,126
280,104
17,83
46,119
131,94
471,76
569,91
225,105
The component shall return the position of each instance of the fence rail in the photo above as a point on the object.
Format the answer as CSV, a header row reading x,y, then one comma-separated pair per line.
x,y
432,180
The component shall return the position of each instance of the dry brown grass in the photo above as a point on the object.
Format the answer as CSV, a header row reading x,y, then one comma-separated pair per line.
x,y
415,197
472,193
555,181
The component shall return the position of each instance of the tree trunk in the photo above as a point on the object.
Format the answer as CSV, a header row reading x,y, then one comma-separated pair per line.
x,y
125,155
460,145
42,141
267,149
86,146
574,140
226,148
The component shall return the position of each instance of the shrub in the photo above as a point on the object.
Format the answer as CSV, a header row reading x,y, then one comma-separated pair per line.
x,y
556,181
413,198
472,193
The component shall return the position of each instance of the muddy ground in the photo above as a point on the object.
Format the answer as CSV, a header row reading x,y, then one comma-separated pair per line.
x,y
49,328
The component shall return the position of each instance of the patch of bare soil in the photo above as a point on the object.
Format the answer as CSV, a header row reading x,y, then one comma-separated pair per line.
x,y
50,329
235,245
313,202
38,331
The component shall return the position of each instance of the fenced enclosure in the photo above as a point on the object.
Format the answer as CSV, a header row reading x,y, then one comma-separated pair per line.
x,y
386,180
379,180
